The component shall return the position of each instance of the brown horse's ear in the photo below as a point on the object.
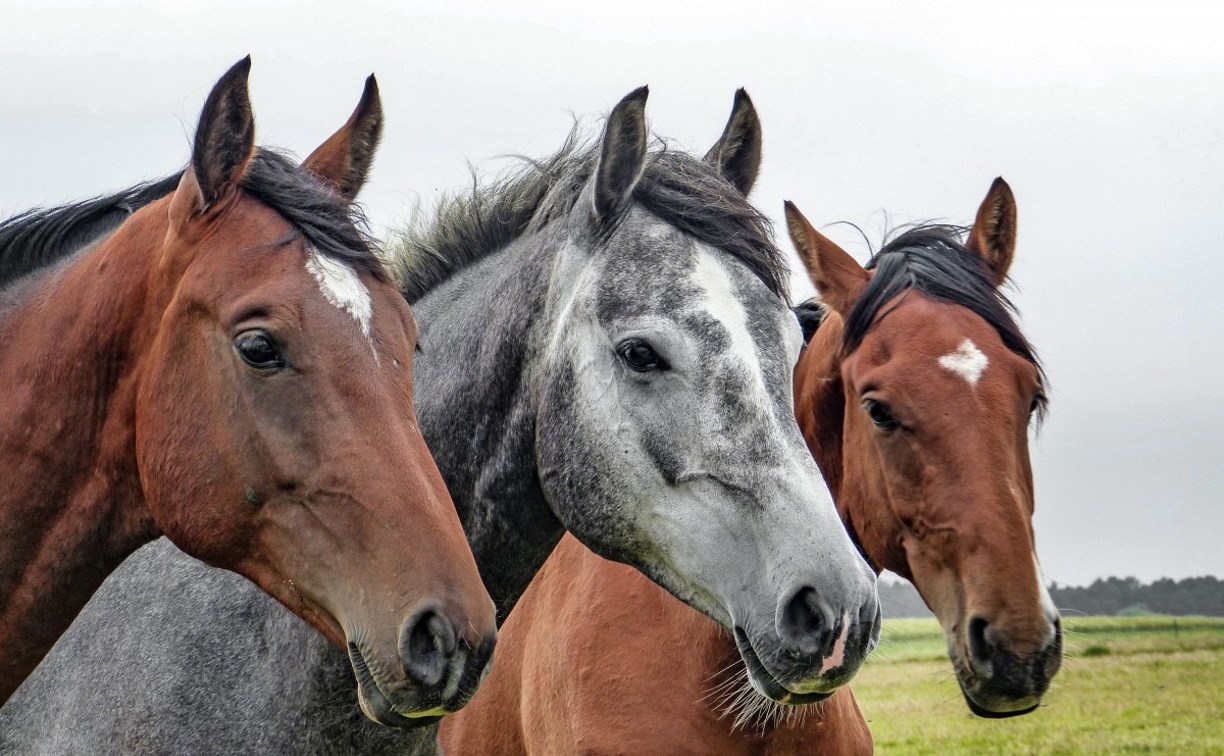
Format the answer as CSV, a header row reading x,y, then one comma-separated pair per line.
x,y
224,140
622,155
343,161
737,153
994,231
835,274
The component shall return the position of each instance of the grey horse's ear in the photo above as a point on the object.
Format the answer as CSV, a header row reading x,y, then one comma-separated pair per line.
x,y
737,153
622,155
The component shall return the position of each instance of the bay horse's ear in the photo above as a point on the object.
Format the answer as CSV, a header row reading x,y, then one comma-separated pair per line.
x,y
622,155
994,230
343,161
224,140
837,276
737,153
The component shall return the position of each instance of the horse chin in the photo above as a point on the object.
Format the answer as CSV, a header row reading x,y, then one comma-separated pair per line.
x,y
1024,706
765,683
375,705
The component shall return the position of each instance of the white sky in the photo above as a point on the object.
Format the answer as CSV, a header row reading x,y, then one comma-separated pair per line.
x,y
1106,118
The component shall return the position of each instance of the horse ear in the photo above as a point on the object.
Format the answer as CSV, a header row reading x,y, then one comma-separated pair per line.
x,y
737,153
994,230
622,155
225,138
835,274
343,161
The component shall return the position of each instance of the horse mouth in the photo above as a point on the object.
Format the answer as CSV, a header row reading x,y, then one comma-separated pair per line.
x,y
764,682
375,705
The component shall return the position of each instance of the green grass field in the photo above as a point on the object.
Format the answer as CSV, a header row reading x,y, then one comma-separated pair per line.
x,y
1128,685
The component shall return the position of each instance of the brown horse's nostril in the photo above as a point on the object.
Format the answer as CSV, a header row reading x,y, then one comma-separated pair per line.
x,y
980,649
427,644
804,625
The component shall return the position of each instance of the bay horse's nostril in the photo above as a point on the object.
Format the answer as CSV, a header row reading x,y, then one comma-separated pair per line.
x,y
427,643
980,649
803,624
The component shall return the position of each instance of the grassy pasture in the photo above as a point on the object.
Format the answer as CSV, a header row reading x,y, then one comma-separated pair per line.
x,y
1128,685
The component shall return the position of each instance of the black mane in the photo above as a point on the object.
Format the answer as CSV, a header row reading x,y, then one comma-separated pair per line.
x,y
810,314
681,190
38,238
934,260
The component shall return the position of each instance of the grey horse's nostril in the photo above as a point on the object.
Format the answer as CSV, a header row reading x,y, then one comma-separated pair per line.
x,y
803,623
427,644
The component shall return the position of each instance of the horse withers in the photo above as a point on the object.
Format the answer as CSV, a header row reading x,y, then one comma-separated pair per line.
x,y
231,366
918,414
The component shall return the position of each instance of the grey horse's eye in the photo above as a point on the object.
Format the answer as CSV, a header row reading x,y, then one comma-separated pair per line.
x,y
639,356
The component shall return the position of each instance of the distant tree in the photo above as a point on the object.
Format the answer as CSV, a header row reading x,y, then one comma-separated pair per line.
x,y
1113,595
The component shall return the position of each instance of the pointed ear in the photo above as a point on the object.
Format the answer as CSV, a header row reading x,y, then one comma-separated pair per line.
x,y
837,276
622,155
343,161
994,230
225,138
737,153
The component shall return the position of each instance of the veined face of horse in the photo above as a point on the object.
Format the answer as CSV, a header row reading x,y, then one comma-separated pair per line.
x,y
667,437
936,388
254,404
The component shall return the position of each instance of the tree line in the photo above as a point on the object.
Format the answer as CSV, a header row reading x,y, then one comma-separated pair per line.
x,y
1103,597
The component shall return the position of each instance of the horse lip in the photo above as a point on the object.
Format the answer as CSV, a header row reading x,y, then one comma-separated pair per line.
x,y
985,713
764,682
374,703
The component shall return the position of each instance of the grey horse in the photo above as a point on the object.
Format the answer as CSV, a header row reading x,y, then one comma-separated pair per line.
x,y
606,348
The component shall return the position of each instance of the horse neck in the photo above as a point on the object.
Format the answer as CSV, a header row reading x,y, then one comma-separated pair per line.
x,y
480,332
71,507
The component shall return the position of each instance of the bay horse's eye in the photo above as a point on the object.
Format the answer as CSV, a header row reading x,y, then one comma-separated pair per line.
x,y
257,349
879,414
639,356
1039,401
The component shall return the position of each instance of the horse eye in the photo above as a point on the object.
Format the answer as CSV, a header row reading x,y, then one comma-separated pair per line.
x,y
879,414
257,349
639,356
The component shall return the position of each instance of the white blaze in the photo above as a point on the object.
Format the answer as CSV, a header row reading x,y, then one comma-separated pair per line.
x,y
721,302
342,287
967,361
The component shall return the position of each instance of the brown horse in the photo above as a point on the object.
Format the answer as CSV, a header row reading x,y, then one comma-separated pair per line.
x,y
232,367
915,395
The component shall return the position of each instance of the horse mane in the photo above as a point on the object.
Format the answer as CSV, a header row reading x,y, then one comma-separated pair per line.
x,y
810,314
40,237
681,190
933,259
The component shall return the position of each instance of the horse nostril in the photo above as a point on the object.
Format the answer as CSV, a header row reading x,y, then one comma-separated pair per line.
x,y
979,647
803,624
427,644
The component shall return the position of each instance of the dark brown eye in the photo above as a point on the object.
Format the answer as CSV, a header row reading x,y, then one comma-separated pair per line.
x,y
257,349
880,415
639,356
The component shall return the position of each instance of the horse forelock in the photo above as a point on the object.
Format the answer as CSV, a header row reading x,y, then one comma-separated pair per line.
x,y
933,260
681,190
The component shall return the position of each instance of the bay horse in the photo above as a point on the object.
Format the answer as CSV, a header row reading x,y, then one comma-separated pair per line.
x,y
915,394
230,365
607,349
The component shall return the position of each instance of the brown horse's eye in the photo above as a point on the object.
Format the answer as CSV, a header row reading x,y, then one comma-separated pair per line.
x,y
639,356
257,349
879,414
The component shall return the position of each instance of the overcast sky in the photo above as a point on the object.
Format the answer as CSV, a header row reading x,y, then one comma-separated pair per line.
x,y
1107,119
